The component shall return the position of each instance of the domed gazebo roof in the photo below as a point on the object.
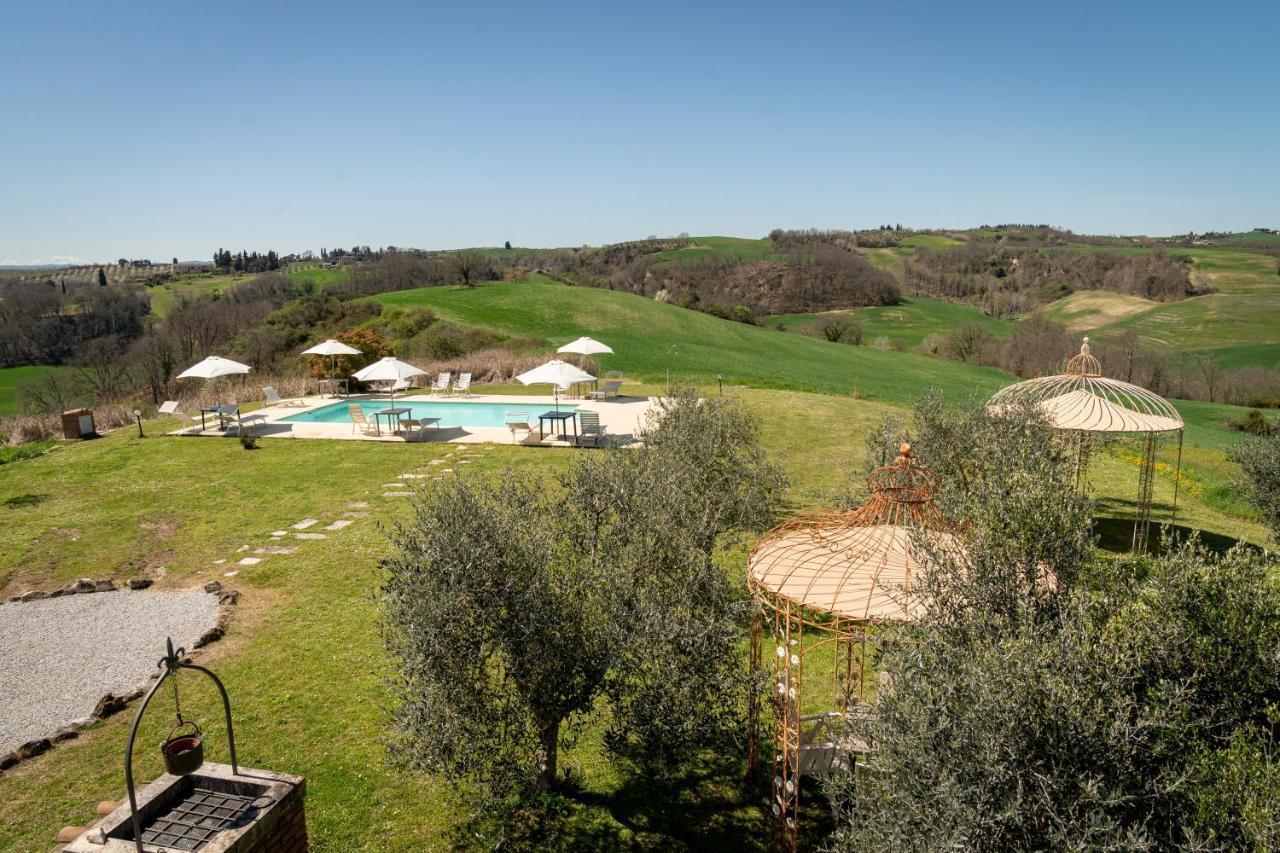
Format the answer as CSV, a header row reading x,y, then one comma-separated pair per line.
x,y
856,565
1084,400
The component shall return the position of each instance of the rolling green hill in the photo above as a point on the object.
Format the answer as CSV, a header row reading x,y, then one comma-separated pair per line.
x,y
12,377
649,337
907,323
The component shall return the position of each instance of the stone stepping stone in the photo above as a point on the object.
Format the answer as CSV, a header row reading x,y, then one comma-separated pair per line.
x,y
310,536
275,549
279,533
242,549
339,524
231,574
412,476
250,561
464,461
446,470
395,485
355,514
400,494
218,562
436,462
305,523
358,505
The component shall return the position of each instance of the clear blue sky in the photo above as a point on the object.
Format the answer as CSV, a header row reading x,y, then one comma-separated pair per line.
x,y
160,129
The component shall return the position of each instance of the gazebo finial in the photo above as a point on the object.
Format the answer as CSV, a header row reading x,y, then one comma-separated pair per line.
x,y
1084,364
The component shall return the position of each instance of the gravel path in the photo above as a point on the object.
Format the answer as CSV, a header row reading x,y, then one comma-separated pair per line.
x,y
60,655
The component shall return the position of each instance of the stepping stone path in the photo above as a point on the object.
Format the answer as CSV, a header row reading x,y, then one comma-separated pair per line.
x,y
250,561
305,523
275,549
279,533
310,536
338,525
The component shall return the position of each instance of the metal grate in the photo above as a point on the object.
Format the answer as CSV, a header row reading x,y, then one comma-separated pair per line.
x,y
195,820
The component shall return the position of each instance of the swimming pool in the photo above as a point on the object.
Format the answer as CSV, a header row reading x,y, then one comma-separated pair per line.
x,y
451,414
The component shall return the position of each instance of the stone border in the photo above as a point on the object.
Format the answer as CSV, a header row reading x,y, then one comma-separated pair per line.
x,y
110,703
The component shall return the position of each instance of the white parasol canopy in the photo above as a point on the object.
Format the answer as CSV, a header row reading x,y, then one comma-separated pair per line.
x,y
585,346
389,369
557,373
333,349
213,367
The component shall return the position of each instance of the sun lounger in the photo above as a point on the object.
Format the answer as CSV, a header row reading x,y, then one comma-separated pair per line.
x,y
272,397
517,421
441,385
590,429
418,426
463,385
607,390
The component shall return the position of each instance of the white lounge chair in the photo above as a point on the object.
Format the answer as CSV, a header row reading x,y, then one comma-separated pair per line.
x,y
272,397
418,426
517,421
590,429
441,385
463,385
359,420
607,390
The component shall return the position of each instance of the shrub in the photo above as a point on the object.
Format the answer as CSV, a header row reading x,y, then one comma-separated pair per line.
x,y
248,440
1259,460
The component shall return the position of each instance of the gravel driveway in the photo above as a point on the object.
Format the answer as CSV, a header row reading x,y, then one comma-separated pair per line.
x,y
60,655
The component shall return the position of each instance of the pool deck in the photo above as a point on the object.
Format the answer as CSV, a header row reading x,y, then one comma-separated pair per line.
x,y
621,417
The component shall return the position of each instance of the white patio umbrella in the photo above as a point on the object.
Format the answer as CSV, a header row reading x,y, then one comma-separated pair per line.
x,y
389,369
211,368
586,346
560,374
333,349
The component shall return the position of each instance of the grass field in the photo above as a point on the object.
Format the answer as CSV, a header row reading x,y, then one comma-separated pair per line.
x,y
317,275
1089,309
165,297
726,248
12,377
649,337
906,324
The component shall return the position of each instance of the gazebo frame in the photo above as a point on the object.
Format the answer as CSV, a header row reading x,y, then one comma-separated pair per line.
x,y
1082,404
838,575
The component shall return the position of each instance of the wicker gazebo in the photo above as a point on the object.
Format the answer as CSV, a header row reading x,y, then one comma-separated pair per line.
x,y
1083,404
826,580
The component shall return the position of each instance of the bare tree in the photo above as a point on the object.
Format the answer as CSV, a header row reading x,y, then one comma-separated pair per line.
x,y
467,266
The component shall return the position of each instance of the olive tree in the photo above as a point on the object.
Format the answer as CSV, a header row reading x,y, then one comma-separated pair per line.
x,y
1259,460
512,604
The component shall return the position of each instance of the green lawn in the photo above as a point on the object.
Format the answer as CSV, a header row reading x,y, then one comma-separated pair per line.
x,y
317,275
907,323
12,377
649,337
726,248
165,297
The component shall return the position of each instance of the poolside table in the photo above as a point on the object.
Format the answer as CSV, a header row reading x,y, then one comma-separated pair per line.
x,y
559,417
396,413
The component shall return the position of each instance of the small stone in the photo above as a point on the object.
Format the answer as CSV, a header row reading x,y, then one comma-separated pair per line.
x,y
464,461
242,549
358,505
275,549
34,595
213,586
32,748
446,470
139,583
397,494
412,476
305,523
105,585
8,760
279,533
355,514
231,573
339,524
394,486
57,593
106,807
310,536
14,598
85,585
230,596
218,562
436,462
68,834
210,636
65,733
250,561
108,705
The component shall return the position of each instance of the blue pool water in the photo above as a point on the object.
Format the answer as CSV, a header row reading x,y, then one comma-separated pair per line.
x,y
451,414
